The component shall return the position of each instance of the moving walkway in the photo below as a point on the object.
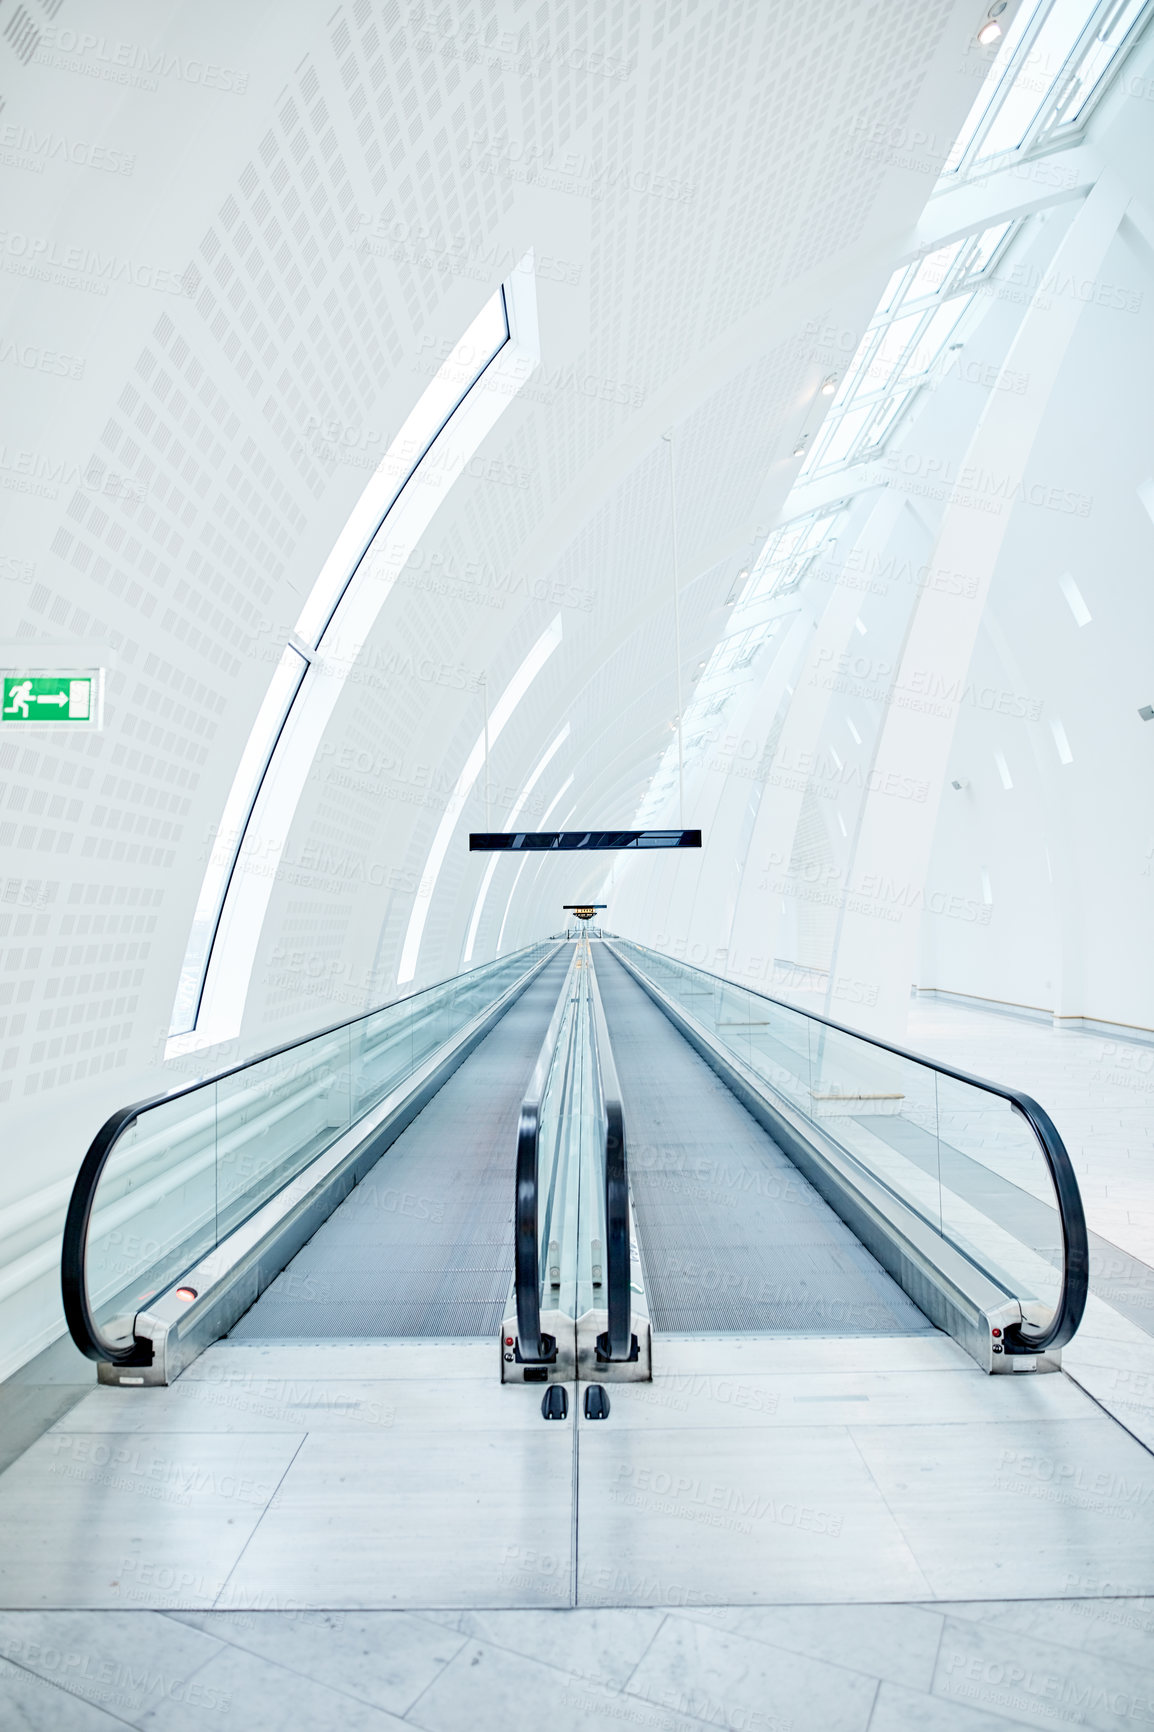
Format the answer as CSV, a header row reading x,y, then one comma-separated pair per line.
x,y
574,1150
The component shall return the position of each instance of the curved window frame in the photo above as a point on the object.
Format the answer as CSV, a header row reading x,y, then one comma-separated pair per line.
x,y
1026,63
923,305
463,402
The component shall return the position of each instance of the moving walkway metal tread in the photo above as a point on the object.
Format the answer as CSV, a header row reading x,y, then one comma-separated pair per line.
x,y
732,1237
424,1245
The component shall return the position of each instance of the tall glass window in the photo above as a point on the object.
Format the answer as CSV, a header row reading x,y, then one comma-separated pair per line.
x,y
1053,62
911,330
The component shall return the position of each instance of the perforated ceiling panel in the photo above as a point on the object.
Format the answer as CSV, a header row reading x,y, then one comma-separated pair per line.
x,y
247,306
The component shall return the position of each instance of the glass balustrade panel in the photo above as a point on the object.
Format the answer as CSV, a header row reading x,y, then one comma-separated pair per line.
x,y
998,1201
961,1157
190,1170
276,1116
381,1055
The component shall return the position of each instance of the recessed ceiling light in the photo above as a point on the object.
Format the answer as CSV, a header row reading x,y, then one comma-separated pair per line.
x,y
829,386
990,32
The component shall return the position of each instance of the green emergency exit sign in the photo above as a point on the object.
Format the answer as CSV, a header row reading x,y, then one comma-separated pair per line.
x,y
47,699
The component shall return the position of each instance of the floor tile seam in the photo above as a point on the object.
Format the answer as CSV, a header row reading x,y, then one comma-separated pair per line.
x,y
708,1337
937,1652
201,1664
357,1431
853,1424
699,1719
63,1688
465,1642
566,1678
258,1523
906,1540
936,1695
310,1377
575,1501
644,1654
238,1344
344,1382
1062,1648
425,1614
323,1683
489,1640
799,1653
1022,1419
994,1718
1102,1408
1010,1599
840,1371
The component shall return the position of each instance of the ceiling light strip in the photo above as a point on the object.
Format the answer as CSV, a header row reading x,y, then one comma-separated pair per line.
x,y
518,807
548,641
432,450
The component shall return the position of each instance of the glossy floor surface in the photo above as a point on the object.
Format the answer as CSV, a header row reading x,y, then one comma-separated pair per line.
x,y
776,1534
969,1667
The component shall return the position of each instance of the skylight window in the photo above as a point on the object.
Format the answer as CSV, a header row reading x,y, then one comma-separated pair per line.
x,y
737,651
510,823
1054,60
783,563
457,410
226,845
910,331
474,763
786,558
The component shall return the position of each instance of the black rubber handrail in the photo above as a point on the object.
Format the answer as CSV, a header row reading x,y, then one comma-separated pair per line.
x,y
78,1314
618,1338
532,1346
1022,1337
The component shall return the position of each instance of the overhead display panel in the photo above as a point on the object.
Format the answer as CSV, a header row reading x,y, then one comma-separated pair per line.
x,y
571,841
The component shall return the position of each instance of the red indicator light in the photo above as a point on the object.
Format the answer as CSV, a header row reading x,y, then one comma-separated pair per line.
x,y
186,1293
997,1332
508,1341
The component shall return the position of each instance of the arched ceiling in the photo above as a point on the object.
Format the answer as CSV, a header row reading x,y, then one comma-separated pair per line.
x,y
238,241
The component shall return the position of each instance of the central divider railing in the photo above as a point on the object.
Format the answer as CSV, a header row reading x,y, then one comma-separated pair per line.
x,y
577,1303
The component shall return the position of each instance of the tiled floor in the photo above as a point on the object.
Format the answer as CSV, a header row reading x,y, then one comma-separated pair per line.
x,y
230,1551
967,1667
751,1471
